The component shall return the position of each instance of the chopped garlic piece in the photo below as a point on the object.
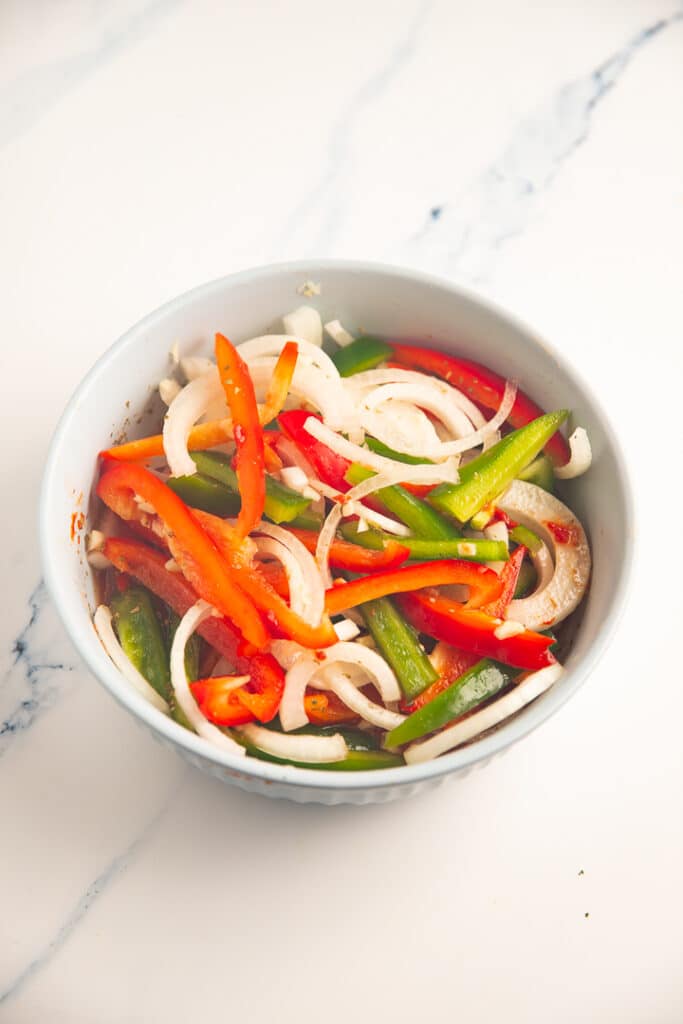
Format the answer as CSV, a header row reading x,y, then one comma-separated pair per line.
x,y
172,566
98,560
168,389
294,477
338,333
465,548
362,525
95,540
508,629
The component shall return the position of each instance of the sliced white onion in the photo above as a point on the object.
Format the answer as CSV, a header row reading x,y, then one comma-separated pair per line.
x,y
196,366
183,412
298,598
425,397
401,426
310,385
377,519
542,561
580,459
534,508
193,618
355,699
338,333
292,711
443,472
441,389
109,640
272,345
372,663
312,749
346,630
531,688
312,598
304,322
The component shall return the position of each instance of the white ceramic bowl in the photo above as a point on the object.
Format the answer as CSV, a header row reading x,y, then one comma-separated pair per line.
x,y
377,299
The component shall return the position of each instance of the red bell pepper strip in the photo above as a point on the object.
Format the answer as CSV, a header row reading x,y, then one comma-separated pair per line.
x,y
474,630
508,577
267,679
484,583
329,467
223,703
195,553
345,555
277,611
450,662
482,385
208,435
249,460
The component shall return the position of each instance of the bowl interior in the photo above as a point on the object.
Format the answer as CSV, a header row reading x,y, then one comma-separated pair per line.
x,y
119,393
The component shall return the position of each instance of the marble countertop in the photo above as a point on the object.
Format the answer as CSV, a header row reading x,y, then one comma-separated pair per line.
x,y
531,151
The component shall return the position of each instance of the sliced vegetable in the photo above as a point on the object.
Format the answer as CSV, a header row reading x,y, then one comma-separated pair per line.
x,y
561,531
149,567
362,354
199,491
399,644
193,550
141,638
481,682
109,640
539,472
302,748
192,618
521,695
581,456
389,453
484,584
249,462
329,467
281,504
522,535
423,550
482,385
508,578
474,630
388,554
490,473
450,662
423,520
362,753
228,700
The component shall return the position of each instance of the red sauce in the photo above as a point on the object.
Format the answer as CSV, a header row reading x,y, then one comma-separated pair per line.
x,y
499,516
563,534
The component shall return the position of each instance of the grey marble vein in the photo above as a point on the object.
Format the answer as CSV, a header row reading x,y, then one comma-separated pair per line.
x,y
467,233
26,100
318,217
41,662
114,869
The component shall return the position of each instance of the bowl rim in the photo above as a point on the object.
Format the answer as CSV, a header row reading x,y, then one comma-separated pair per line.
x,y
102,668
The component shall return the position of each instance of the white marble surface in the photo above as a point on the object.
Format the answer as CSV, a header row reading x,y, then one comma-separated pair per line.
x,y
531,150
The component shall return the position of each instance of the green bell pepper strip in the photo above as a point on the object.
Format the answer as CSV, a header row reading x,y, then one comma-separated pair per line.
x,y
363,754
539,472
491,472
521,535
415,513
141,637
282,504
199,491
424,549
483,681
398,642
389,453
362,354
526,581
